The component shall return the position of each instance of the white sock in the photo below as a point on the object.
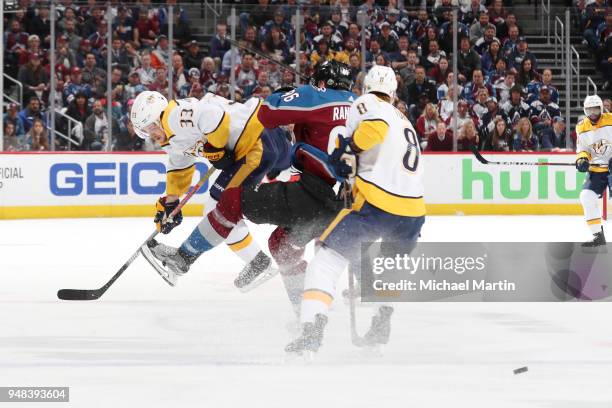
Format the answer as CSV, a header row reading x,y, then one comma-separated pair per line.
x,y
320,283
592,213
242,243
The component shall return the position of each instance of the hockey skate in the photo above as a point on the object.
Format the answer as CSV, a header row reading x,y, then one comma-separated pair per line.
x,y
378,334
168,261
310,340
257,272
598,240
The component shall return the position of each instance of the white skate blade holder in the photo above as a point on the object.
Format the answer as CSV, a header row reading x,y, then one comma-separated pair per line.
x,y
166,274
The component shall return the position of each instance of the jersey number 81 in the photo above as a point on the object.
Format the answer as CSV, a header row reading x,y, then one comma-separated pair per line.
x,y
411,158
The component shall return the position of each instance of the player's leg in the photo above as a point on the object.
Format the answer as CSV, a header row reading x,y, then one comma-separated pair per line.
x,y
179,260
341,243
292,267
302,210
225,216
221,221
264,204
589,198
404,230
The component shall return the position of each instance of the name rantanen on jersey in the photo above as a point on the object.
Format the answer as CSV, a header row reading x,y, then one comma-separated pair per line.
x,y
341,112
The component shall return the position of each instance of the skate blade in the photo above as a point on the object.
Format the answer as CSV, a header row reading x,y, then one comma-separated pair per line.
x,y
376,350
260,280
305,358
167,275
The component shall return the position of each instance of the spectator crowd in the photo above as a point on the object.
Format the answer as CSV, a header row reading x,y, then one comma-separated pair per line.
x,y
506,100
596,26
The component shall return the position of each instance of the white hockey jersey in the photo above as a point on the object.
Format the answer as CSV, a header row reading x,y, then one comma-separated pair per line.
x,y
389,170
190,123
595,141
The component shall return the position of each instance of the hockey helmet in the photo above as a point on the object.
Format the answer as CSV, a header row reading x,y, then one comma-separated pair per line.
x,y
593,107
380,79
147,109
335,75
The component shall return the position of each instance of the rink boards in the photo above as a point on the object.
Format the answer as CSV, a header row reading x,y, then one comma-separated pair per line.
x,y
71,185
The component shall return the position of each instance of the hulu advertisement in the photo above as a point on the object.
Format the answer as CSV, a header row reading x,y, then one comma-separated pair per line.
x,y
460,184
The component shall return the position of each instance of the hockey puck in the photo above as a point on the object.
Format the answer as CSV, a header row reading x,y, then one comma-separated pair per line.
x,y
520,370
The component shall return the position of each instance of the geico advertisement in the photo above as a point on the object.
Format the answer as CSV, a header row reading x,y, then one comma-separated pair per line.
x,y
87,179
460,179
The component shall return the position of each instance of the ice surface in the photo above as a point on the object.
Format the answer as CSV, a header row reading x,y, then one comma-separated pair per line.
x,y
205,344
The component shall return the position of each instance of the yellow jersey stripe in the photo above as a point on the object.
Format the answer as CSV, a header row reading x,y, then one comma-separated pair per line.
x,y
343,213
165,120
219,137
358,203
245,242
252,162
585,125
249,135
314,294
369,133
389,202
594,221
586,155
178,181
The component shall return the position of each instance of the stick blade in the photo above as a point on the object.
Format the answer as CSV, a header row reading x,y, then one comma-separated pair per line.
x,y
78,294
477,154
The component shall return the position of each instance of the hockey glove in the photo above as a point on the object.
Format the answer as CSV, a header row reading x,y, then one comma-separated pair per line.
x,y
219,157
162,222
343,159
582,164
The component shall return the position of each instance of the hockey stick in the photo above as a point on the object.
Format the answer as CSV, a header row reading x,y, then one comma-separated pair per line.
x,y
481,159
93,294
356,339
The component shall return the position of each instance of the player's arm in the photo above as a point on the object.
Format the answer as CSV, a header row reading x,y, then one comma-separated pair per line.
x,y
368,134
179,173
214,123
281,109
583,157
366,129
365,125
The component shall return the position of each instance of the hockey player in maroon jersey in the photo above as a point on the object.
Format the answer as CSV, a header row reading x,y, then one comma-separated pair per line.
x,y
302,209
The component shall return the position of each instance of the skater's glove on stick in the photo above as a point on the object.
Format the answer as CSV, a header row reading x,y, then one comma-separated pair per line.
x,y
162,221
582,164
344,158
219,157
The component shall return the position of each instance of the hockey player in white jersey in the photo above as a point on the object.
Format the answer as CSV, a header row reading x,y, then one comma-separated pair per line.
x,y
231,137
594,148
382,153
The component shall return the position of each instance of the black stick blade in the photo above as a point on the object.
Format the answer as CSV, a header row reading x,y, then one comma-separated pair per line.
x,y
477,154
78,294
